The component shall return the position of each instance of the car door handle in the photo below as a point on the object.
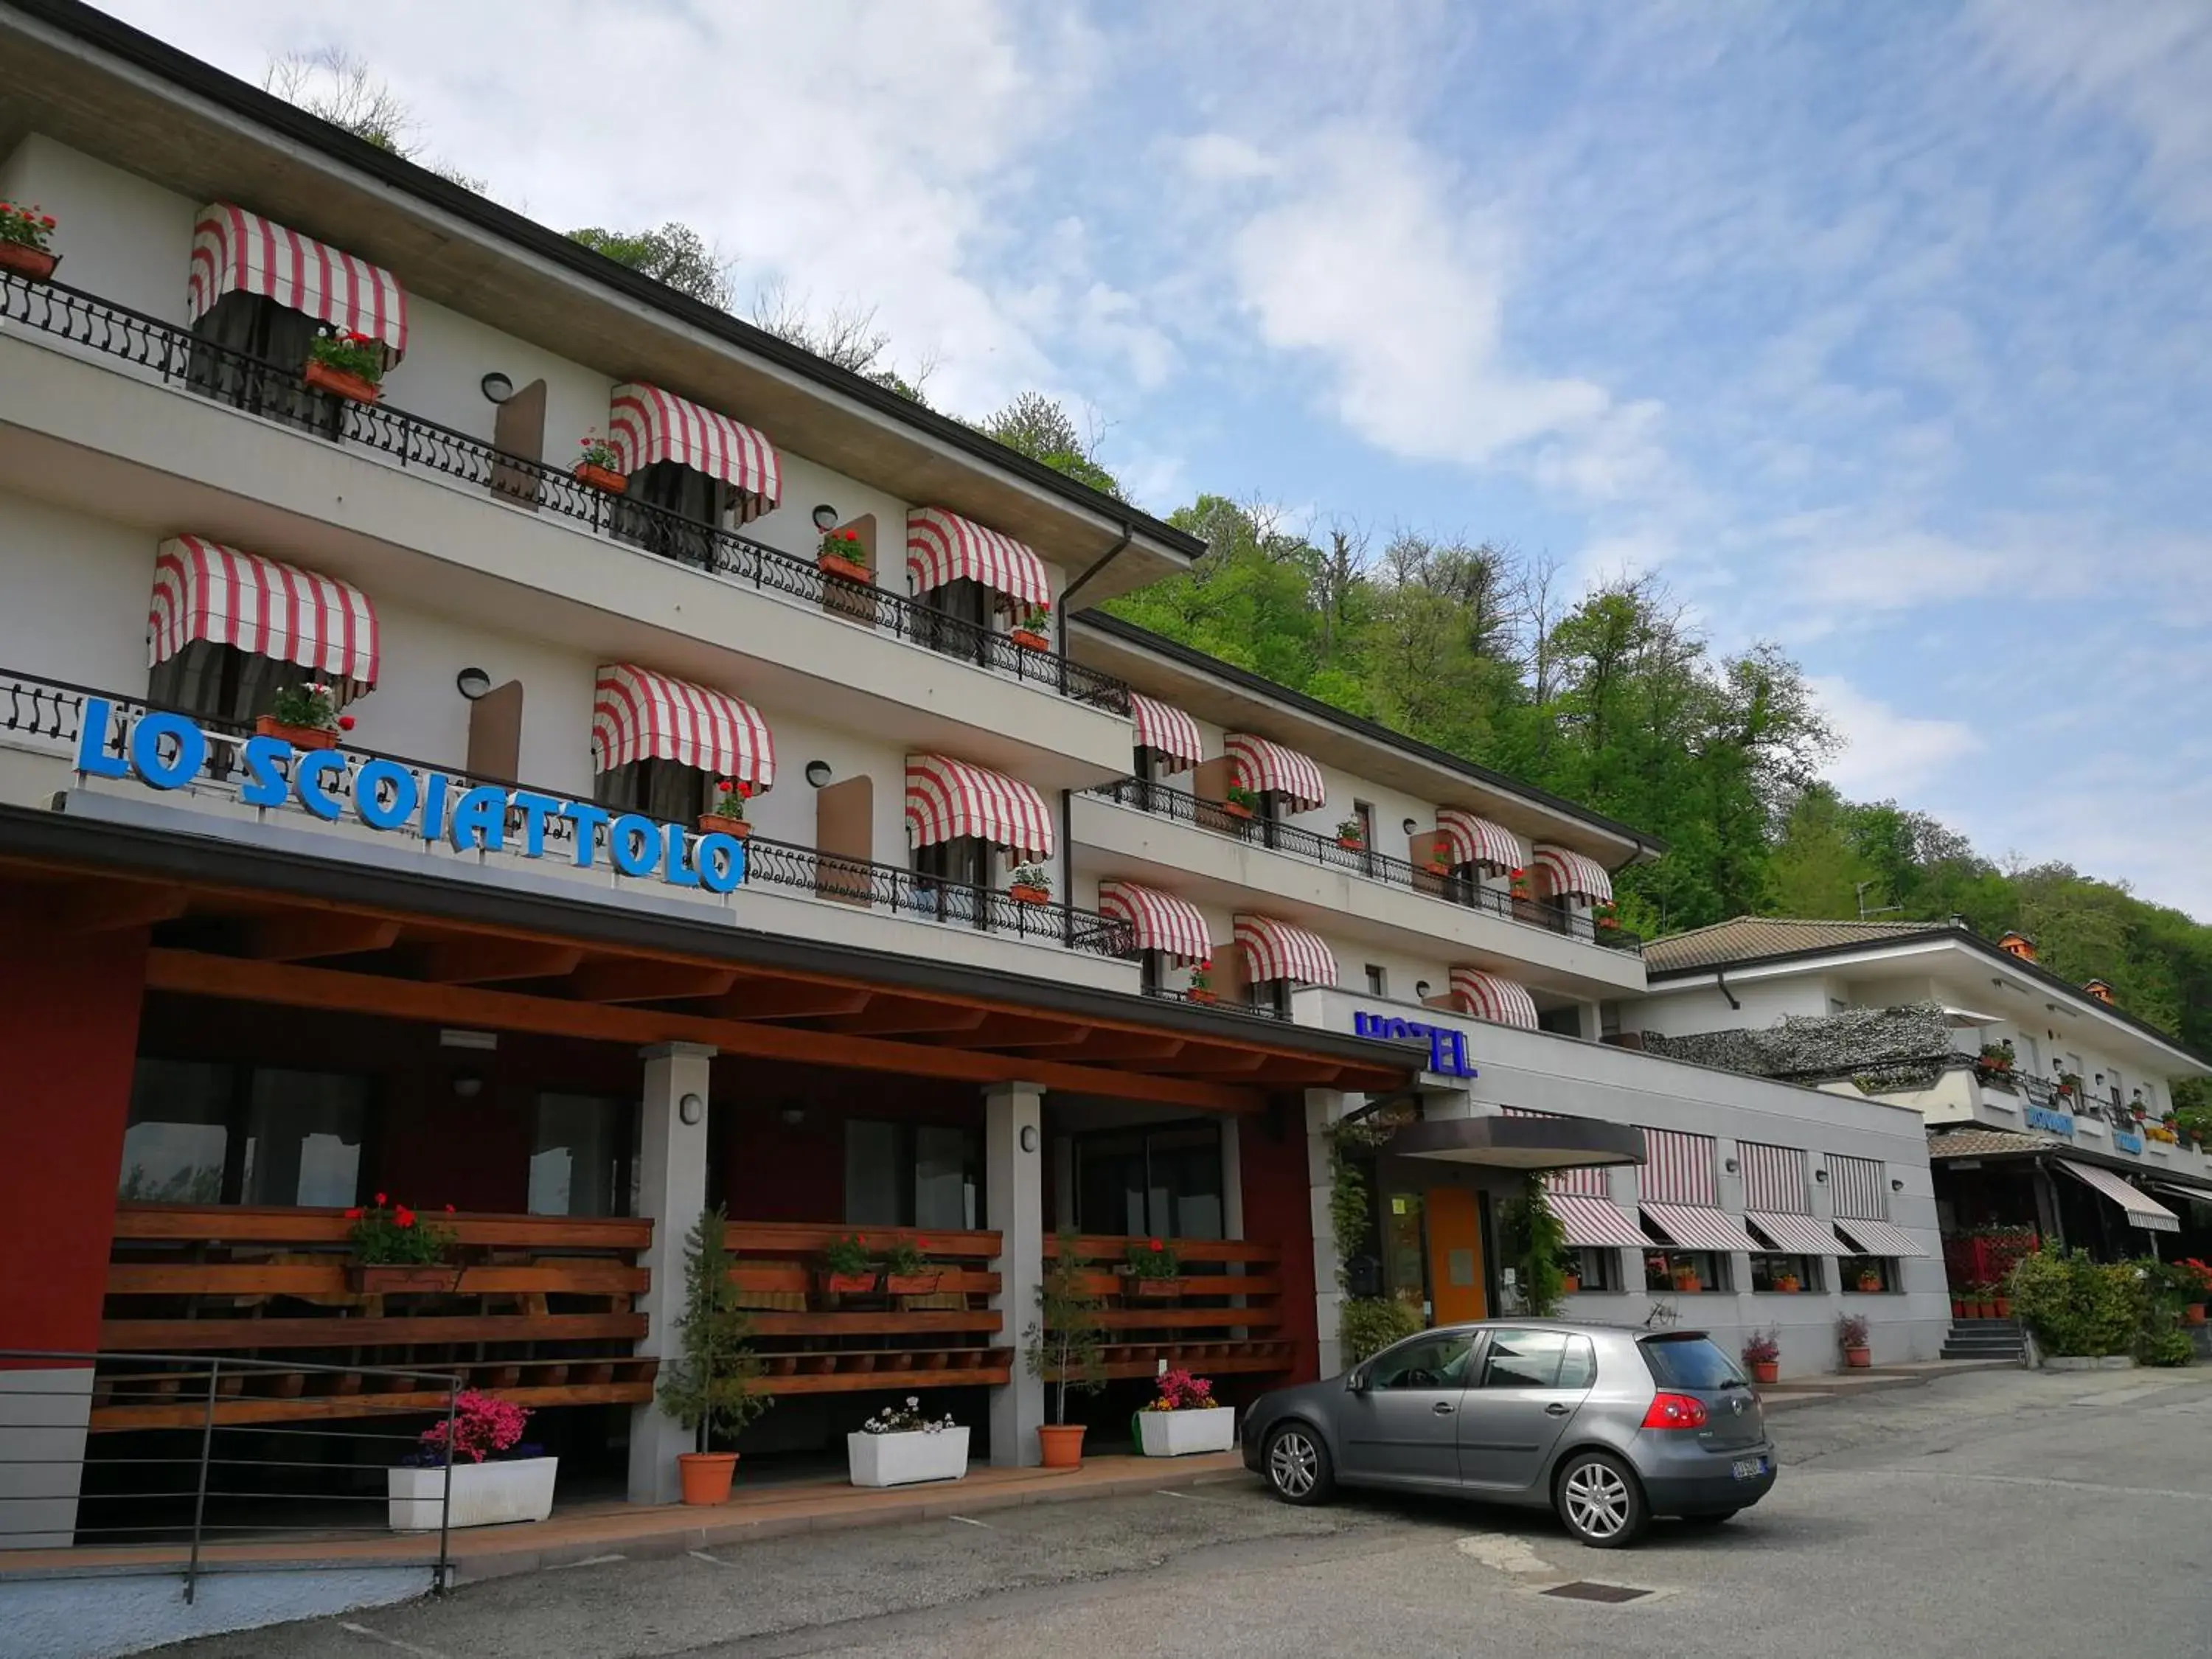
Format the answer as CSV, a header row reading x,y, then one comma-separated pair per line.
x,y
1442,1408
1559,1408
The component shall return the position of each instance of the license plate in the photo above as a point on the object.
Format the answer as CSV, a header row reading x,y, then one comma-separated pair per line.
x,y
1749,1468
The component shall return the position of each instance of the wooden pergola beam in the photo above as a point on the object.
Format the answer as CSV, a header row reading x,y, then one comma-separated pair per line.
x,y
303,935
750,999
109,907
890,1015
481,958
646,978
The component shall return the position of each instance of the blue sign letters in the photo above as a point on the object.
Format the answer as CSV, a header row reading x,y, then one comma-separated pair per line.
x,y
2126,1142
167,751
2058,1123
1447,1046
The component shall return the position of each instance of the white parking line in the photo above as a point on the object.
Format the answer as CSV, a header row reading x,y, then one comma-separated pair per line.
x,y
966,1520
390,1641
711,1560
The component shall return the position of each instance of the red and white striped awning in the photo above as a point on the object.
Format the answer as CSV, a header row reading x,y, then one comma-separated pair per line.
x,y
1478,841
1796,1235
1488,996
205,591
945,798
1166,730
1574,876
234,250
1880,1238
1256,764
1678,1169
646,424
1282,949
943,547
637,714
1773,1178
1693,1227
1596,1223
1163,921
2141,1209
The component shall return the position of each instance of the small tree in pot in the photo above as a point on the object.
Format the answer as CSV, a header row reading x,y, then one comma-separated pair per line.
x,y
1064,1347
707,1384
1851,1335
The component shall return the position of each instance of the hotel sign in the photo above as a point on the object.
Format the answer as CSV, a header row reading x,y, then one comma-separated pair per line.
x,y
1447,1044
170,751
2057,1122
2124,1141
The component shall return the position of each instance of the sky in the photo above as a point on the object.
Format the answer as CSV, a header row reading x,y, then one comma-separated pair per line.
x,y
1878,330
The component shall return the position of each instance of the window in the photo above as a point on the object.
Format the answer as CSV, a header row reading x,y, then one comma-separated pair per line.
x,y
1426,1362
692,507
1595,1269
1870,1274
1689,1362
1164,1182
262,348
207,1133
965,605
664,790
1684,1271
1378,982
1538,1359
1153,966
951,874
1785,1275
1565,1022
582,1156
913,1174
222,683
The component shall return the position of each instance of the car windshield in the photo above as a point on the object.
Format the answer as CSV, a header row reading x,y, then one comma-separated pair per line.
x,y
1690,1362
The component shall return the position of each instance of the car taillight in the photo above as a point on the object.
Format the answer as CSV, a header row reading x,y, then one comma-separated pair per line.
x,y
1675,1410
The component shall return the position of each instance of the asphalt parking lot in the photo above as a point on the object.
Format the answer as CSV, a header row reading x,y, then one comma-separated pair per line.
x,y
1999,1512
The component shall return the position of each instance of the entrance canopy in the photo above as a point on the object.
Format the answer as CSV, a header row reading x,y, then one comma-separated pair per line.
x,y
2141,1209
1520,1143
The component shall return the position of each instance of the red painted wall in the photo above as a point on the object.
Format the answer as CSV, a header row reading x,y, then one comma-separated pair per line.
x,y
777,1171
68,1006
1278,1207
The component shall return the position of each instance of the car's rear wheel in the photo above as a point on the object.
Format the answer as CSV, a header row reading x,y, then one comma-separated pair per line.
x,y
1600,1502
1298,1465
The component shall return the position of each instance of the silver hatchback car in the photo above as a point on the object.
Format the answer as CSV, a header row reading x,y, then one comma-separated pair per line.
x,y
1607,1426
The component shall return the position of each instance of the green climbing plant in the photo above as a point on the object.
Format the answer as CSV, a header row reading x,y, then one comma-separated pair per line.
x,y
1536,1243
1365,1324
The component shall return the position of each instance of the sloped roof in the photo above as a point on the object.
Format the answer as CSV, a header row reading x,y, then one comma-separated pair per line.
x,y
1753,939
1986,1143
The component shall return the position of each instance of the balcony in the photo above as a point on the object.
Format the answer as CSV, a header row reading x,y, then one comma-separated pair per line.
x,y
164,353
44,718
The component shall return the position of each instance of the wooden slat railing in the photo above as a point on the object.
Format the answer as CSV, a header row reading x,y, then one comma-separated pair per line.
x,y
1226,1315
813,1342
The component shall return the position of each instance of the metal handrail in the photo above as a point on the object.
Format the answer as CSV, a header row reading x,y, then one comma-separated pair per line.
x,y
277,391
165,1376
1449,885
1252,1010
53,711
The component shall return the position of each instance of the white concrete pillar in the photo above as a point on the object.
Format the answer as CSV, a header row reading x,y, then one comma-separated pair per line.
x,y
43,1419
1323,1107
1593,1022
1232,1179
1014,1184
672,1192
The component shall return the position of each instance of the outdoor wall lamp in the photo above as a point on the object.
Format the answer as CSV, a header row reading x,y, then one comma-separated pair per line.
x,y
691,1109
1820,1176
1730,1165
793,1115
1410,826
1029,1136
818,772
1420,987
1895,1185
496,387
825,516
472,683
467,1085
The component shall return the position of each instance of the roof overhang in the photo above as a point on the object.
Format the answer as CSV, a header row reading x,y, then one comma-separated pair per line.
x,y
90,82
1519,1143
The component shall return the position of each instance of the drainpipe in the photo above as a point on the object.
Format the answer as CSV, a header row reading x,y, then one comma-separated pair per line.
x,y
1068,594
1721,980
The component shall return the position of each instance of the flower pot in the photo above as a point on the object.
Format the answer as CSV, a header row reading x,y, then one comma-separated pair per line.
x,y
300,737
2002,1307
1870,1284
1959,1308
722,823
1858,1358
1156,1289
1570,1283
1198,994
27,261
849,1283
1765,1371
1028,640
1786,1285
1179,1434
1231,809
1685,1281
707,1475
602,477
1352,843
483,1494
2194,1313
905,1460
386,1277
830,565
912,1284
1024,894
1061,1444
341,383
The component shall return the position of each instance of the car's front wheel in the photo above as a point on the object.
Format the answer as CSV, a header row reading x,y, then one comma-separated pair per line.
x,y
1298,1465
1598,1499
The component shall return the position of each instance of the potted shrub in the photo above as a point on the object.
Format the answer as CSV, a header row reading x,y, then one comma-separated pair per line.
x,y
600,467
305,716
1151,1271
900,1447
1238,802
1351,835
1870,1280
494,1478
2193,1311
346,364
1959,1308
1030,632
707,1384
1201,982
1762,1352
1517,883
1851,1337
848,1268
907,1272
26,241
727,815
1999,1303
395,1249
1029,884
1063,1348
1605,919
1185,1418
1684,1275
1787,1283
841,554
1570,1280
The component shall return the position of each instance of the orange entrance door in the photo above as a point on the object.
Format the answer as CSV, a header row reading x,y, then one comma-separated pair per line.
x,y
1456,1256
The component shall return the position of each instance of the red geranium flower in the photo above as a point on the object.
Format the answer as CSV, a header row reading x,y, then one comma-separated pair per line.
x,y
449,1209
405,1217
379,1198
1156,1244
345,722
353,1214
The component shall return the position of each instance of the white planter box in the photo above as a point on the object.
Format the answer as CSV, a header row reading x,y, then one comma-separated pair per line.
x,y
484,1494
902,1460
1177,1434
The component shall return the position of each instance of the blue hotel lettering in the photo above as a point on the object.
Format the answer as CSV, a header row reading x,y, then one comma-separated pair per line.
x,y
167,751
2058,1123
1447,1047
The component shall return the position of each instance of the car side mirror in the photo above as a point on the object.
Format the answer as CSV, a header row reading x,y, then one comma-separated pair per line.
x,y
1355,1380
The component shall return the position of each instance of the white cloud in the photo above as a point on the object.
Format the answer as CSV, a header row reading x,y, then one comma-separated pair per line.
x,y
1887,754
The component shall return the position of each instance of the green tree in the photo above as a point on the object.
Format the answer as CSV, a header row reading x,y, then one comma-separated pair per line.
x,y
1041,428
675,254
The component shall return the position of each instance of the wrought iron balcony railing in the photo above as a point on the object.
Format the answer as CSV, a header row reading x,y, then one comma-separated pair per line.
x,y
1294,841
175,356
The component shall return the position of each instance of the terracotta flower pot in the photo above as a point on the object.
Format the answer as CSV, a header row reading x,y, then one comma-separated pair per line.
x,y
1858,1360
911,1284
2002,1307
602,477
849,1283
384,1278
337,381
707,1475
1766,1371
1152,1290
1685,1281
1959,1307
2195,1313
1198,994
1061,1444
1571,1283
300,737
830,565
1869,1285
722,823
1028,640
1235,810
1352,843
25,261
1022,895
